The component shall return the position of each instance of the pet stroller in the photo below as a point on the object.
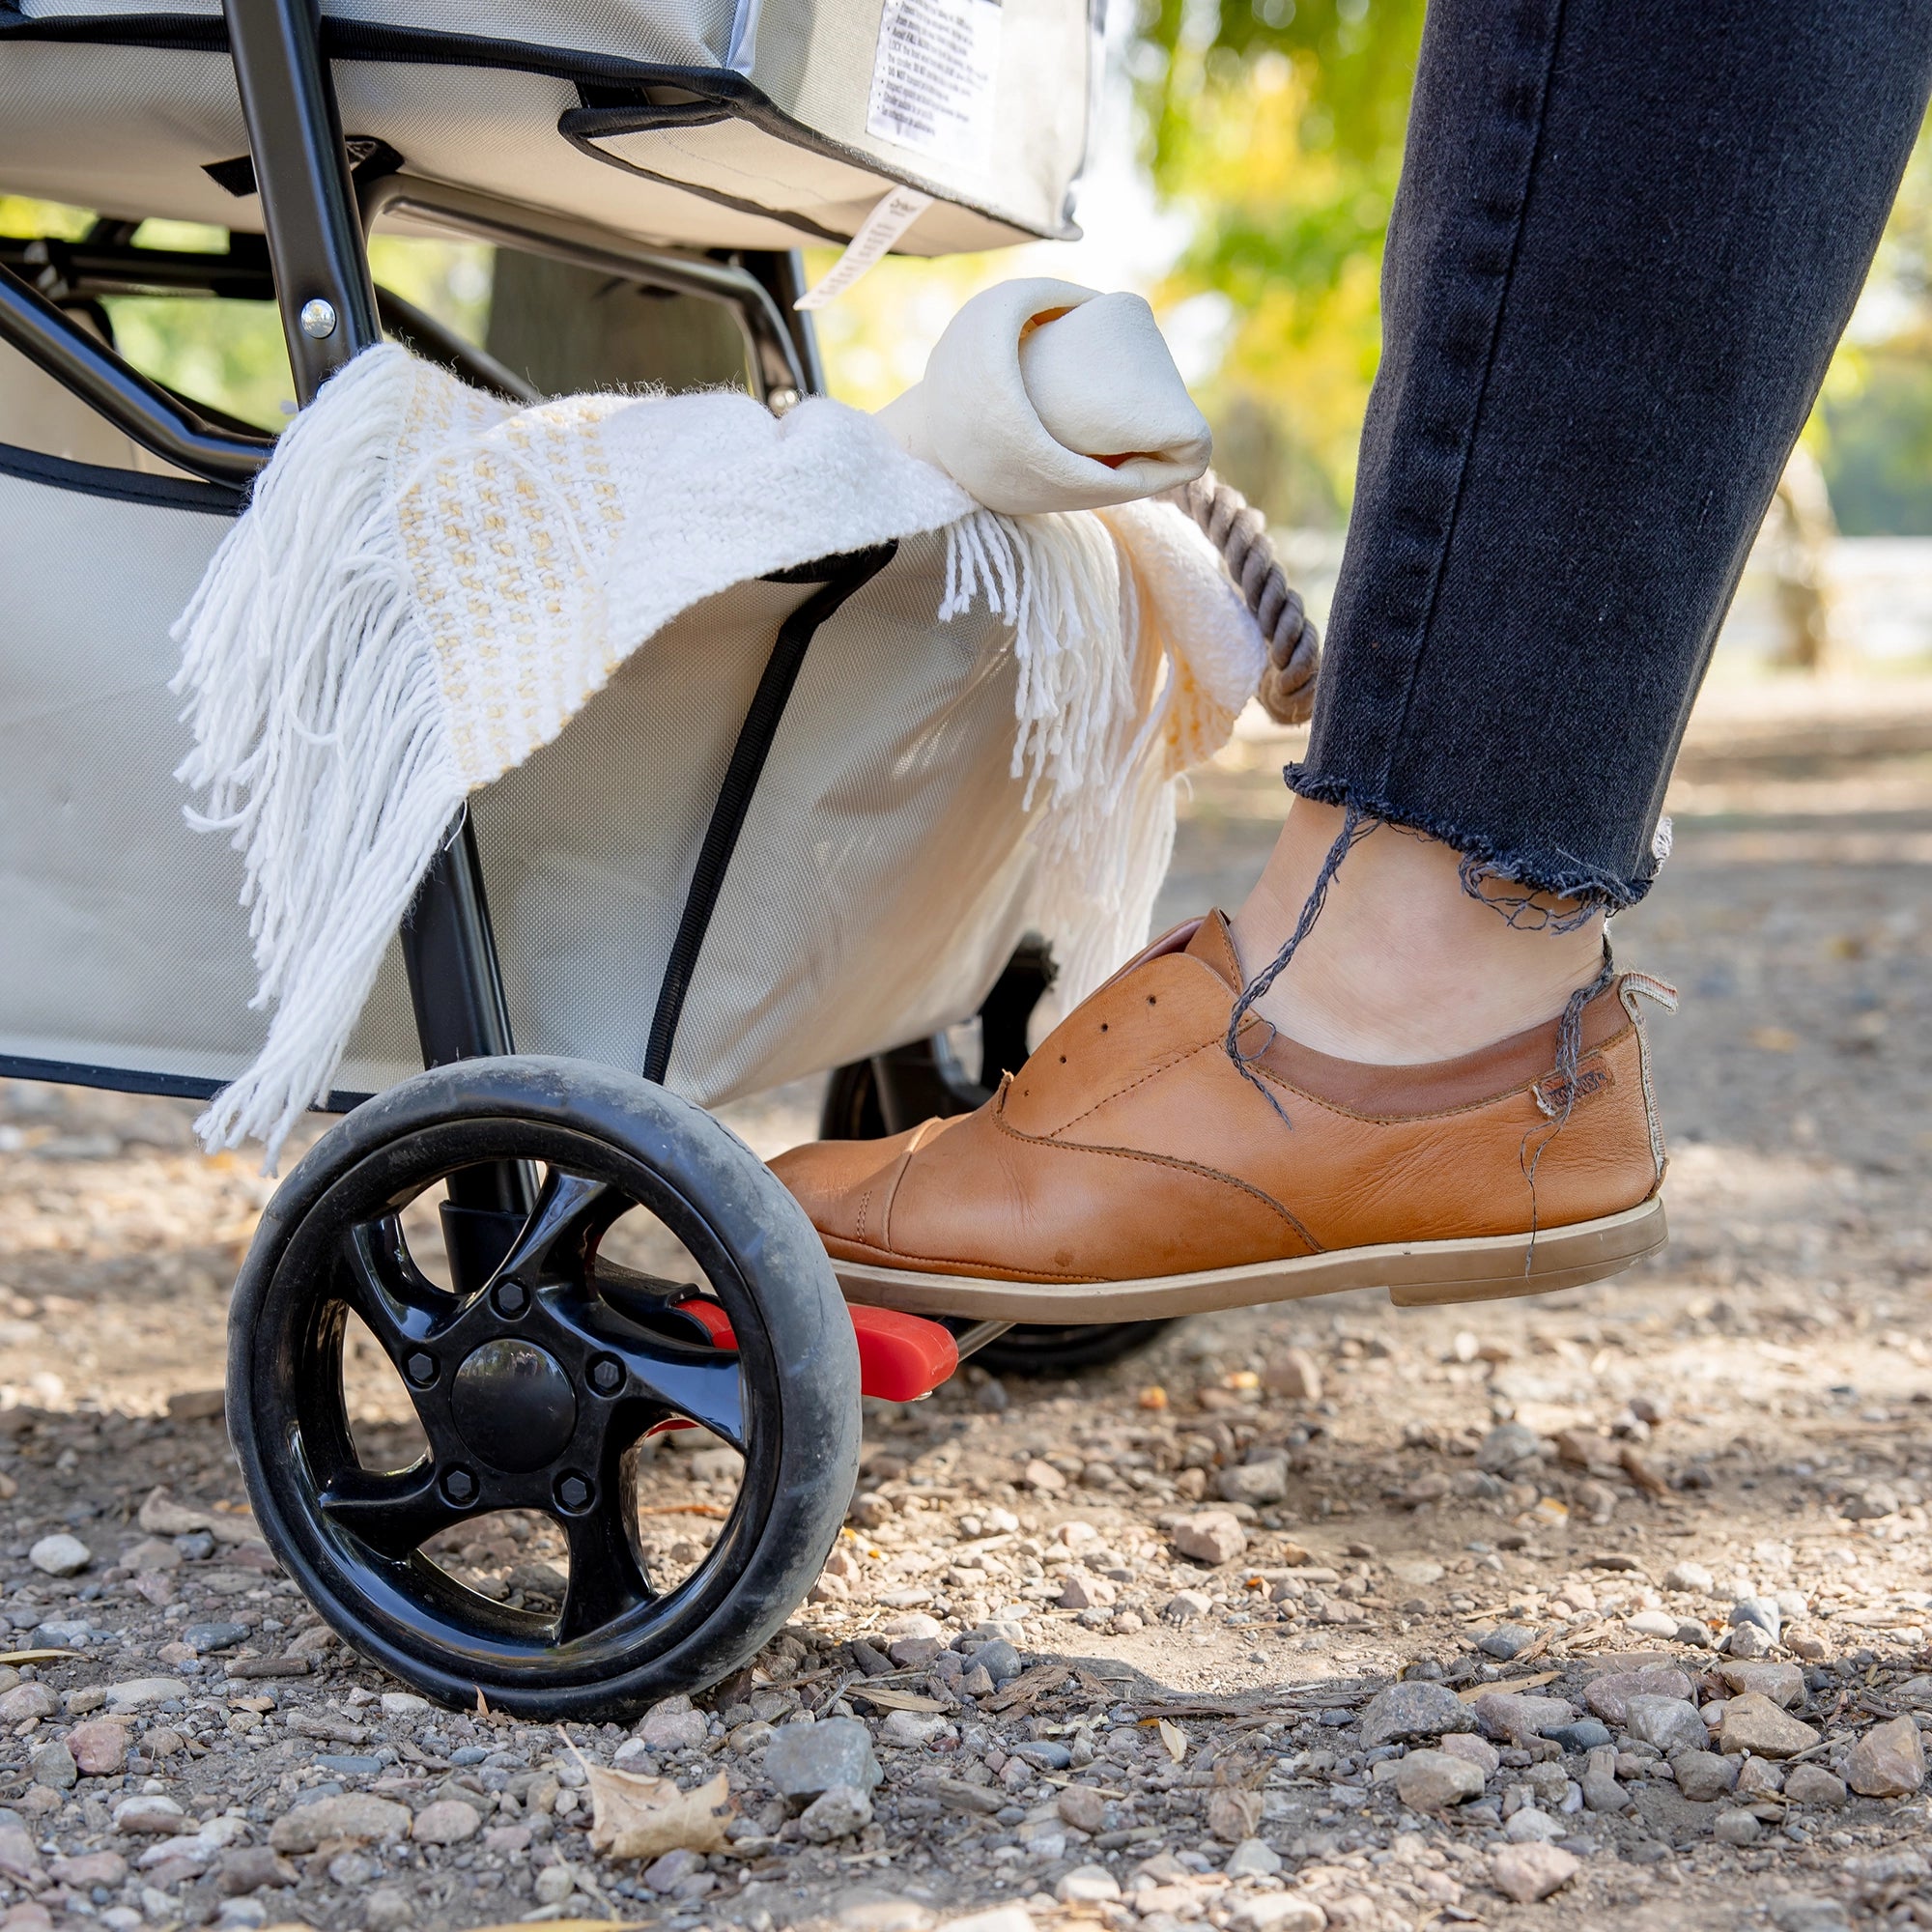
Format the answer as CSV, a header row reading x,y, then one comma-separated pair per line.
x,y
658,161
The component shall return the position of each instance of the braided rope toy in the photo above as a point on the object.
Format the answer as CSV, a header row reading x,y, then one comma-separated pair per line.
x,y
1240,532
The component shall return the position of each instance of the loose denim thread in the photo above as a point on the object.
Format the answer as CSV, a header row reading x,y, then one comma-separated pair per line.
x,y
1569,1052
1354,828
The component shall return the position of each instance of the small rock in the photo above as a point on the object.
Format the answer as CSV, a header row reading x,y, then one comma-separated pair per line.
x,y
1692,1577
1601,1790
1754,1723
1748,1640
54,1767
913,1730
1807,1912
151,1815
1585,1734
1736,1828
1527,1873
1253,1857
24,1701
673,1868
1432,1780
1256,1483
836,1813
1083,1807
998,1660
1234,1814
447,1821
1782,1682
1608,1694
1652,1623
1762,1611
1185,1606
1813,1784
1506,1445
1759,1777
389,1910
403,1704
805,1761
1477,1750
1888,1762
1090,1884
1297,1374
60,1555
1045,1477
1669,1723
100,1747
1703,1776
1211,1536
672,1726
1414,1708
141,1694
1528,1826
1506,1641
1518,1715
249,1867
204,1638
19,1859
86,1869
1081,1590
354,1815
1277,1911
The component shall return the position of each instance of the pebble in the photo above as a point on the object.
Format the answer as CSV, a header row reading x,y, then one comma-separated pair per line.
x,y
1527,1873
1209,1536
1297,1374
249,1867
349,1815
913,1729
151,1815
1669,1723
24,1701
54,1767
1888,1761
998,1660
1257,1483
1652,1623
805,1761
1185,1606
1506,1445
673,1868
1432,1780
1507,1642
89,1868
1763,1612
836,1813
1601,1790
403,1704
1759,1777
1414,1709
1090,1884
674,1726
1754,1723
202,1639
1253,1857
1081,1591
60,1555
1277,1911
1736,1828
1083,1807
1813,1784
1807,1912
446,1822
1690,1577
1703,1776
140,1694
1609,1694
1518,1715
1782,1682
1749,1641
1477,1750
1585,1734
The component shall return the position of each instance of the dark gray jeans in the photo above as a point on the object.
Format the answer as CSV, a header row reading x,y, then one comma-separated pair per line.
x,y
1629,235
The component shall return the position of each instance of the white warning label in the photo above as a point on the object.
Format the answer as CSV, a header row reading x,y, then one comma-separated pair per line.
x,y
936,79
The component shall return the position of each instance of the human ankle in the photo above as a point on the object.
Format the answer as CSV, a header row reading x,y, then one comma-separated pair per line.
x,y
1404,965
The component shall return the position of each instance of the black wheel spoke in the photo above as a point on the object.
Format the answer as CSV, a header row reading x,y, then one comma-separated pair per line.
x,y
703,1384
558,1241
607,1571
394,1514
402,1306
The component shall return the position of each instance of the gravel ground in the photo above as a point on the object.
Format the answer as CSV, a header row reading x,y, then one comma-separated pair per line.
x,y
1317,1615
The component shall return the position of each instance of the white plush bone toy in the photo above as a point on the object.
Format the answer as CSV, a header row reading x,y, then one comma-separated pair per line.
x,y
1042,395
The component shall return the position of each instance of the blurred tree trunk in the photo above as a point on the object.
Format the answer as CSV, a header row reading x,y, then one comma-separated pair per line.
x,y
1803,530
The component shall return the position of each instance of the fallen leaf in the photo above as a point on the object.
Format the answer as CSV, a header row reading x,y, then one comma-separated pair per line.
x,y
634,1817
1475,1691
894,1700
1174,1738
1029,1685
1641,1473
35,1656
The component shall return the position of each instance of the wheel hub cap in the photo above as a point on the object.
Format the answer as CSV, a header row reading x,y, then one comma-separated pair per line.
x,y
514,1405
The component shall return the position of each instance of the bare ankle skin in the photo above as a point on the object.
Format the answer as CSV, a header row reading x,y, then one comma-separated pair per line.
x,y
1403,965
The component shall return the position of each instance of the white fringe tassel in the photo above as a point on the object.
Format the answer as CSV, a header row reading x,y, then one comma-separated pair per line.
x,y
1060,582
320,737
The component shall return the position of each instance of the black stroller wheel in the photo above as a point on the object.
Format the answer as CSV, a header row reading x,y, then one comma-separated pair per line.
x,y
856,1108
534,1388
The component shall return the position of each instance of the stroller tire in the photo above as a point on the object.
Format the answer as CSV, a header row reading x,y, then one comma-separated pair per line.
x,y
534,1387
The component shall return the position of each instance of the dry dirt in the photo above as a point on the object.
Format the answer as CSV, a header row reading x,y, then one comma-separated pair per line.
x,y
1749,1418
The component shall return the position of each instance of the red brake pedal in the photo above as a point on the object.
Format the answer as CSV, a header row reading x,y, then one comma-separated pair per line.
x,y
901,1356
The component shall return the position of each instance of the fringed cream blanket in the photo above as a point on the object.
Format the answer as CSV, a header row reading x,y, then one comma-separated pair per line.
x,y
429,583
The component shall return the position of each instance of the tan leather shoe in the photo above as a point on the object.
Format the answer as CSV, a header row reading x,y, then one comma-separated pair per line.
x,y
1128,1170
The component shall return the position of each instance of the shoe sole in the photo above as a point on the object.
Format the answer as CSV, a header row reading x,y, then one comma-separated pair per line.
x,y
1417,1274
